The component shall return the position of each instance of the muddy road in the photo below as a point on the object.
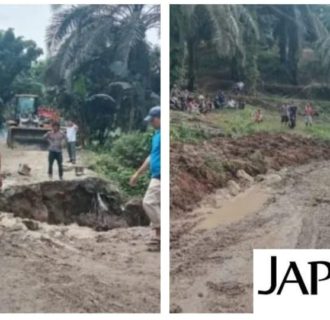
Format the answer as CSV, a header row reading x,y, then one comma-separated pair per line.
x,y
211,249
37,160
75,269
69,268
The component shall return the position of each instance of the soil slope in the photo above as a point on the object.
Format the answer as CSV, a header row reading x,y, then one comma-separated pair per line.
x,y
198,169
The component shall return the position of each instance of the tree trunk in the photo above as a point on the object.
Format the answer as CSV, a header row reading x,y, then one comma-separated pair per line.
x,y
177,48
252,72
251,64
294,46
283,49
237,71
283,40
191,64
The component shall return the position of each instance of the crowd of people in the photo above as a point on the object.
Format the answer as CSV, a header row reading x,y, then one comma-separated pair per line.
x,y
288,114
185,100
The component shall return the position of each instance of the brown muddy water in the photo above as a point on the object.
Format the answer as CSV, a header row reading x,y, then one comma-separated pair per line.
x,y
234,209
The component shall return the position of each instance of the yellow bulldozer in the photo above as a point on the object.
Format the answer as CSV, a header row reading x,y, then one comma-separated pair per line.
x,y
30,122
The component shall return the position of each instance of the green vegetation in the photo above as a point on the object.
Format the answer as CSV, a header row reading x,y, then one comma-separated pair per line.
x,y
236,123
280,52
17,56
119,162
262,45
187,133
102,69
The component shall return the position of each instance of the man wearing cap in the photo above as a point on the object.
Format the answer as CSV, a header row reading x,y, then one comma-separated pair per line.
x,y
151,201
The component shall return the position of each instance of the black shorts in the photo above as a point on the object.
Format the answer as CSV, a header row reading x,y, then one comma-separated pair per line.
x,y
284,119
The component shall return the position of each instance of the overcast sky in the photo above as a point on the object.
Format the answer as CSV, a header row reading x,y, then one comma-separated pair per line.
x,y
30,21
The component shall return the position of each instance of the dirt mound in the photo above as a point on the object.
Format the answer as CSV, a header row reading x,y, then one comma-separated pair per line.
x,y
200,169
91,202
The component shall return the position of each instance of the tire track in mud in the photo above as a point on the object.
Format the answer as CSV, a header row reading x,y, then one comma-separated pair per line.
x,y
211,270
75,269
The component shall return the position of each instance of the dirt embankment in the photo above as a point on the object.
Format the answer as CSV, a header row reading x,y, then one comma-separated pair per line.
x,y
197,170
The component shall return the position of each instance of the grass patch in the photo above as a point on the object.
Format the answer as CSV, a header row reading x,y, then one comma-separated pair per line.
x,y
238,123
187,133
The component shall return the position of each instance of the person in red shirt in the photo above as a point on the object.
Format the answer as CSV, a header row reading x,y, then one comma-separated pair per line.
x,y
309,112
258,117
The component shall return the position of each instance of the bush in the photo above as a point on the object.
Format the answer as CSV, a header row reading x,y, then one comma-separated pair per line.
x,y
132,149
120,162
187,134
105,165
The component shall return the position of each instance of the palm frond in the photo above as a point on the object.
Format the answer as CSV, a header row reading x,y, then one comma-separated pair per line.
x,y
131,32
76,16
79,33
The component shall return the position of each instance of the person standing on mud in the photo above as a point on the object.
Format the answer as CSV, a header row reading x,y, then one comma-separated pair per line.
x,y
284,114
151,200
56,140
292,115
71,137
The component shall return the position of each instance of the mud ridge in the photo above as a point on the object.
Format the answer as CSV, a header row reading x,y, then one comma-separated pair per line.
x,y
199,169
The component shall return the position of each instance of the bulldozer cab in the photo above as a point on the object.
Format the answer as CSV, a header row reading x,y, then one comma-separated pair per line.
x,y
26,104
27,128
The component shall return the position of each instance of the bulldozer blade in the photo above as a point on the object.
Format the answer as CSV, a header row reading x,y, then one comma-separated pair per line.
x,y
27,137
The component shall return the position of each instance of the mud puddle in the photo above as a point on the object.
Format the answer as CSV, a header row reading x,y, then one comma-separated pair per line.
x,y
248,202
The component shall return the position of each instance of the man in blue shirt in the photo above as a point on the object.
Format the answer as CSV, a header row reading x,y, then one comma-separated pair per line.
x,y
151,200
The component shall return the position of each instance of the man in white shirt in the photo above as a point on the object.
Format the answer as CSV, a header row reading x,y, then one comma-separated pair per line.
x,y
71,137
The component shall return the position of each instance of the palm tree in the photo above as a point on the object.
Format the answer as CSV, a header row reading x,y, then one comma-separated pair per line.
x,y
103,49
236,36
177,43
235,31
226,26
80,33
295,23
